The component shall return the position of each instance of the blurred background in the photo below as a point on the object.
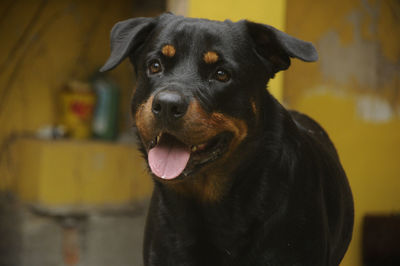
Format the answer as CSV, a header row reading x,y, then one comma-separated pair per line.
x,y
74,189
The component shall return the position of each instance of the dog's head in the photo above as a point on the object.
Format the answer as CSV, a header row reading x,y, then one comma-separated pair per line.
x,y
199,84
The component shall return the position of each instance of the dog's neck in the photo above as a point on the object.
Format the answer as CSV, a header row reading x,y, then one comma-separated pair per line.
x,y
206,188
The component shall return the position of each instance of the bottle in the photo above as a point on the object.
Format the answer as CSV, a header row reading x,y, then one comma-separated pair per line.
x,y
77,101
105,119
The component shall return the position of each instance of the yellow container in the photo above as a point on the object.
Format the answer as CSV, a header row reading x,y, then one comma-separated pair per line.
x,y
78,102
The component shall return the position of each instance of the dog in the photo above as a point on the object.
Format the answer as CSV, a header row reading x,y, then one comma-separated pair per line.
x,y
238,179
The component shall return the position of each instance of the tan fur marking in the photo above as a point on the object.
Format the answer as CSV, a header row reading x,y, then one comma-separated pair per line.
x,y
144,120
210,183
168,50
205,188
210,57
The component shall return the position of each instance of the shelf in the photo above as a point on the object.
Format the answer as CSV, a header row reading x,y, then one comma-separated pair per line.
x,y
79,173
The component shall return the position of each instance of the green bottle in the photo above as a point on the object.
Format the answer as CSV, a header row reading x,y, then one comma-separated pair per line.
x,y
105,119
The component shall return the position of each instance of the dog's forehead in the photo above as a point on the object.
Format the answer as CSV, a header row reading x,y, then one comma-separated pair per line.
x,y
195,32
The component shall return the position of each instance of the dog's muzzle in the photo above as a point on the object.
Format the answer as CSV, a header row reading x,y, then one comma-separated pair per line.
x,y
180,137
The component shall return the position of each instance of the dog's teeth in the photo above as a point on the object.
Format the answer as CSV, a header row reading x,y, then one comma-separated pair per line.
x,y
158,138
152,144
194,148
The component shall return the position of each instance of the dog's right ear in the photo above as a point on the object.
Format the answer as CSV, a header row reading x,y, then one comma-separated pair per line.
x,y
126,37
277,47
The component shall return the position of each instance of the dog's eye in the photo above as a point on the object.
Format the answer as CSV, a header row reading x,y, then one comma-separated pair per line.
x,y
222,75
155,67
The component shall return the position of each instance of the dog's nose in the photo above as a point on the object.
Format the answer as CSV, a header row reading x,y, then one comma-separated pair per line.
x,y
169,105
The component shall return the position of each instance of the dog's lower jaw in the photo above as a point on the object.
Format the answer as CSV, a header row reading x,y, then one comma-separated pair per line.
x,y
211,182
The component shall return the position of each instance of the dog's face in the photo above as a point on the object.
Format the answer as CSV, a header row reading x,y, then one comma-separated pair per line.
x,y
199,85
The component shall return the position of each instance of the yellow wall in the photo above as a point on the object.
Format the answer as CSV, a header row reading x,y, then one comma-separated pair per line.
x,y
44,45
354,92
269,12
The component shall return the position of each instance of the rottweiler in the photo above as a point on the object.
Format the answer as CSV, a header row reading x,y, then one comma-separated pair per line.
x,y
238,179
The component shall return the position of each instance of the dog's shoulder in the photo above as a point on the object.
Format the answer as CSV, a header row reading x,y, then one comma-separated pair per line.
x,y
312,129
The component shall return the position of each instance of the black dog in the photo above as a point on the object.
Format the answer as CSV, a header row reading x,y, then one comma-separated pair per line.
x,y
239,180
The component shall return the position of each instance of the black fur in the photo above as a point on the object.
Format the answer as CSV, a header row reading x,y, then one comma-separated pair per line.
x,y
287,201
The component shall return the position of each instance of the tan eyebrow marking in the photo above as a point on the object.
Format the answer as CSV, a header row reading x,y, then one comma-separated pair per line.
x,y
210,57
168,50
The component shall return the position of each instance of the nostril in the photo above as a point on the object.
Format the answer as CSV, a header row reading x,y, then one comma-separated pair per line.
x,y
157,108
177,111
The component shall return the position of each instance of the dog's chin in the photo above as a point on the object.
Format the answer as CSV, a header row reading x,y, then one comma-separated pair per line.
x,y
172,159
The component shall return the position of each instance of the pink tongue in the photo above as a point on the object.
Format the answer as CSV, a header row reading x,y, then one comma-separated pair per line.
x,y
168,159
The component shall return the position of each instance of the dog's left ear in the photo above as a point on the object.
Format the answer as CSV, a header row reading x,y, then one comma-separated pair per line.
x,y
126,37
277,47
